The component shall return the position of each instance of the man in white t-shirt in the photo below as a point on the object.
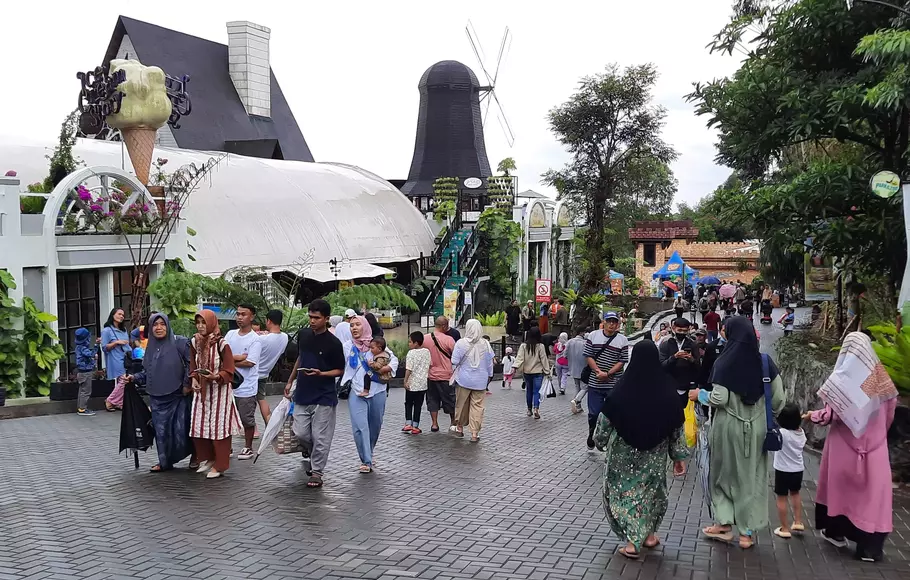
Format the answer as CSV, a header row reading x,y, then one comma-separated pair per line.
x,y
273,343
247,351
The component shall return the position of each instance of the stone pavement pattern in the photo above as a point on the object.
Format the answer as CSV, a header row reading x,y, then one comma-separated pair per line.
x,y
524,503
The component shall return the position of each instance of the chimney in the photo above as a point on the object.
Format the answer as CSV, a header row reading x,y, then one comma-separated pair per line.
x,y
248,63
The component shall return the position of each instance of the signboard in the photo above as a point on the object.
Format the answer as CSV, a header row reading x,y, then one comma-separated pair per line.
x,y
449,303
542,286
467,298
885,184
345,284
819,274
473,182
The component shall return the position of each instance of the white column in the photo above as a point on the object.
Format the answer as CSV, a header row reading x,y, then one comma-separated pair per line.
x,y
105,292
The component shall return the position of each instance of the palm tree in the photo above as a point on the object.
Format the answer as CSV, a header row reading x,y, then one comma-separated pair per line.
x,y
506,166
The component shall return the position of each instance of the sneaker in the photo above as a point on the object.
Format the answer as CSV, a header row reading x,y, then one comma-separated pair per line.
x,y
245,453
574,404
833,540
85,412
562,392
590,444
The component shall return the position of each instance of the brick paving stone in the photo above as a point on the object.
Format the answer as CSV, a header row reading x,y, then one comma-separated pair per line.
x,y
522,504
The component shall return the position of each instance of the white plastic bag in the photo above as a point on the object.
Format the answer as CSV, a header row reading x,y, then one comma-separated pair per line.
x,y
546,388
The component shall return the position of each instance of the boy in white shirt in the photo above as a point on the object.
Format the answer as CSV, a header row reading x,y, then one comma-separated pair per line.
x,y
417,365
788,470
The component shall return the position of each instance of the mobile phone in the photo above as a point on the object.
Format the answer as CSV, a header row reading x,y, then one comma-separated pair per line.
x,y
307,370
204,372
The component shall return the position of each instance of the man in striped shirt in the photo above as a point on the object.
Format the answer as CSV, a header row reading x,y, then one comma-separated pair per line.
x,y
606,353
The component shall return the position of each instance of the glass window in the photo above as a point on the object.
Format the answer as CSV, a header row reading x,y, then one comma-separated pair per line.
x,y
650,257
77,306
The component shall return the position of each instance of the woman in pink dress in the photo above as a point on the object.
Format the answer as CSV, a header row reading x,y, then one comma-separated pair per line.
x,y
854,482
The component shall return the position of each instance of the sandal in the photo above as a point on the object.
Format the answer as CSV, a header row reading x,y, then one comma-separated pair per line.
x,y
365,468
110,408
475,438
434,428
158,469
458,433
416,431
652,545
746,542
314,481
537,413
780,533
630,555
718,533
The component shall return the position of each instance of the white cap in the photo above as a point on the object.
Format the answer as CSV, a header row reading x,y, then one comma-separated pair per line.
x,y
349,313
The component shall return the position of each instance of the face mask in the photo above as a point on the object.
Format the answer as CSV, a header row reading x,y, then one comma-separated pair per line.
x,y
681,335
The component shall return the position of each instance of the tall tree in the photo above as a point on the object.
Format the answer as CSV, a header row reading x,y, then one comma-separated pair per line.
x,y
796,124
612,129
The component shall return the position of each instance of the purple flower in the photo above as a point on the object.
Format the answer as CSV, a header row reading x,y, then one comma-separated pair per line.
x,y
145,207
95,207
11,173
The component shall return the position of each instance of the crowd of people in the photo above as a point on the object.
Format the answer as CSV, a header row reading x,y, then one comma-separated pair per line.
x,y
206,389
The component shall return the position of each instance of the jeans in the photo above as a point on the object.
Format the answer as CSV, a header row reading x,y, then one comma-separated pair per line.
x,y
413,403
712,335
366,422
85,389
314,426
582,390
562,375
532,392
596,399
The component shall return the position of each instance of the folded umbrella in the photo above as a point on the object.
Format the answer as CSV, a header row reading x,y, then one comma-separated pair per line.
x,y
703,460
136,432
276,422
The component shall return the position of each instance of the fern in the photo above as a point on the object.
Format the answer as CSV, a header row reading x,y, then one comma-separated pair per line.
x,y
376,296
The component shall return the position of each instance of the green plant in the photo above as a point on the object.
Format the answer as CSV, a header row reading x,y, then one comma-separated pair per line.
x,y
634,284
445,194
500,240
176,294
400,348
494,319
43,350
11,355
376,296
893,349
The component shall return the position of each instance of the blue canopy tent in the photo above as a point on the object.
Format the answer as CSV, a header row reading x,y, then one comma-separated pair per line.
x,y
676,268
614,275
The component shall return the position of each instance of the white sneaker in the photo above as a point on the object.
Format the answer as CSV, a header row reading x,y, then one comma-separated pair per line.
x,y
574,407
204,466
453,428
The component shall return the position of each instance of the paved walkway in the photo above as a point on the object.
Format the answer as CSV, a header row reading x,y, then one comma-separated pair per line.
x,y
524,503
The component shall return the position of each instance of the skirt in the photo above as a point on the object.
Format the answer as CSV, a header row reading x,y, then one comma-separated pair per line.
x,y
171,421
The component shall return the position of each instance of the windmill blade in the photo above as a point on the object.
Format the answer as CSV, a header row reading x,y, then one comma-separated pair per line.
x,y
503,51
503,122
486,110
478,50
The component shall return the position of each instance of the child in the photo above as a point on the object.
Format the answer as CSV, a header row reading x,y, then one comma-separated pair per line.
x,y
380,359
788,470
787,321
508,368
417,365
86,361
562,361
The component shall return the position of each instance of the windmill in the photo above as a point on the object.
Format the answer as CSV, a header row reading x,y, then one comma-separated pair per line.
x,y
450,122
488,92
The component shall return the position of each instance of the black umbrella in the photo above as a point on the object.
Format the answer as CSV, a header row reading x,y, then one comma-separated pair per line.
x,y
136,432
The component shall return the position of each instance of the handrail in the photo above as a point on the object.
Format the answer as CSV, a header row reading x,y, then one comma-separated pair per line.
x,y
437,287
468,249
442,245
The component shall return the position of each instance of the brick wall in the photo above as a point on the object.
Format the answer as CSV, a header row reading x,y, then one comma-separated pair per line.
x,y
709,258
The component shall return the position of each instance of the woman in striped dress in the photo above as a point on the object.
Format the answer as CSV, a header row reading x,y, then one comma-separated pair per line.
x,y
215,418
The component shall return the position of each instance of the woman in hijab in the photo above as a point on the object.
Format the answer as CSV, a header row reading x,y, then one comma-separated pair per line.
x,y
374,324
334,321
165,377
215,418
513,319
854,498
472,364
366,406
739,465
562,361
640,427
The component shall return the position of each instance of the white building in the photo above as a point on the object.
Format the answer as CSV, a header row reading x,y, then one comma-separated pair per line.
x,y
548,228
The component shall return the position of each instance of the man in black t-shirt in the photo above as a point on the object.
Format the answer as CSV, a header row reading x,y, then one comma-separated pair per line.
x,y
320,360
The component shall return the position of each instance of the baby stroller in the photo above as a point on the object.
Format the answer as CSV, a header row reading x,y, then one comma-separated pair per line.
x,y
766,310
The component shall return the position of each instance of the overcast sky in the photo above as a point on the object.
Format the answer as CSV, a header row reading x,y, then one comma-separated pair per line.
x,y
350,69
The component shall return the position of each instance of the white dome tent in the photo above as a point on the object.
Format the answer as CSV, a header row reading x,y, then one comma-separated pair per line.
x,y
267,213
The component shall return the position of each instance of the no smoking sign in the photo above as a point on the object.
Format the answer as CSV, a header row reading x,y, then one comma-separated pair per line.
x,y
543,289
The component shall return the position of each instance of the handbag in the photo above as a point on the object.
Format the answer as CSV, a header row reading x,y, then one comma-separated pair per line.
x,y
588,371
774,441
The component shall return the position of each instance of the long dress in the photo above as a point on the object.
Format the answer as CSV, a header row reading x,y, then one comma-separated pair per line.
x,y
854,497
635,482
738,466
114,358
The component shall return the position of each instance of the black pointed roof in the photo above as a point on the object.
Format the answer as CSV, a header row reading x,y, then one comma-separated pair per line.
x,y
218,122
449,139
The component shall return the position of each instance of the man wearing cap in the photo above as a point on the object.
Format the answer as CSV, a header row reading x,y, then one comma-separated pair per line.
x,y
527,315
606,353
349,314
680,356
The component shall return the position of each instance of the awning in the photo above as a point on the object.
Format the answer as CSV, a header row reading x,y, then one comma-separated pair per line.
x,y
347,271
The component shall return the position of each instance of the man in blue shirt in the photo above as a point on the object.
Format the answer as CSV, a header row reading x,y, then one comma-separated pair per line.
x,y
320,361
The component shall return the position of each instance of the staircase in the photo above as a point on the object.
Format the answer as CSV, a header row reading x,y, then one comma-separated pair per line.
x,y
453,277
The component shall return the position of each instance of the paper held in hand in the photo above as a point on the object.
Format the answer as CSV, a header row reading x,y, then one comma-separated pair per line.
x,y
843,392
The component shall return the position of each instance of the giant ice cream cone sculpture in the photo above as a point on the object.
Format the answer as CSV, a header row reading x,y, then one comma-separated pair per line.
x,y
144,109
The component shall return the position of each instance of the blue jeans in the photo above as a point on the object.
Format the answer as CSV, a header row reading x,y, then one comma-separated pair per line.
x,y
712,335
596,399
366,422
532,392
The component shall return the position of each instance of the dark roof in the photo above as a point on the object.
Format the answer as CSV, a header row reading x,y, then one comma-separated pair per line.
x,y
218,116
449,140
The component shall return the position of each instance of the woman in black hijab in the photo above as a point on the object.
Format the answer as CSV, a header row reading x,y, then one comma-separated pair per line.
x,y
738,471
374,324
639,426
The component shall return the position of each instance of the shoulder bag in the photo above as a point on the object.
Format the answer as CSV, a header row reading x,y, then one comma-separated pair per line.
x,y
441,350
774,441
588,371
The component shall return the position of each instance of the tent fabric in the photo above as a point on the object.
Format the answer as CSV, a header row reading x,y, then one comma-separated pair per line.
x,y
268,213
616,275
675,266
